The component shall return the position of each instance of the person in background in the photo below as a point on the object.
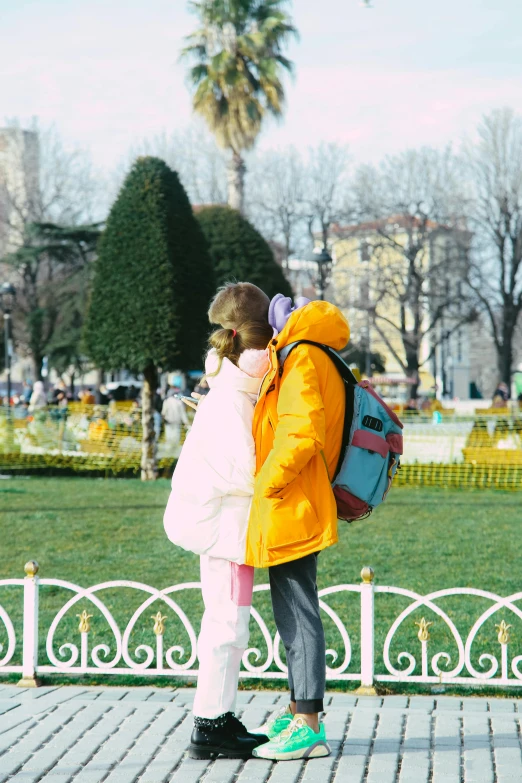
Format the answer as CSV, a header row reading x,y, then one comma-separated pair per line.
x,y
59,403
157,405
500,396
174,415
62,399
104,395
21,409
27,391
135,416
88,397
59,391
133,392
99,427
425,404
38,399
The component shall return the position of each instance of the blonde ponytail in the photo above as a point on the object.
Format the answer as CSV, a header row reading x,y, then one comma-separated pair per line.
x,y
225,343
230,343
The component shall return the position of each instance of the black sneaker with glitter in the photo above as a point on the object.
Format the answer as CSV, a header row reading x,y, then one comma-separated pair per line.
x,y
223,736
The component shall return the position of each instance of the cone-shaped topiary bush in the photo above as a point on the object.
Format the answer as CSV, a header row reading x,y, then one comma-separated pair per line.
x,y
153,280
239,252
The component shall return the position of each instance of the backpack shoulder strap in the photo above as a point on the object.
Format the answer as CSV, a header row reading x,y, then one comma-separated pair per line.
x,y
284,352
350,382
345,372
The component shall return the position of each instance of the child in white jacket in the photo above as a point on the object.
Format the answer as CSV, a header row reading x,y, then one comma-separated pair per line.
x,y
207,513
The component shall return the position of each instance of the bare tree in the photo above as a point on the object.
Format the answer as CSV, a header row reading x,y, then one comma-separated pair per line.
x,y
276,203
494,166
296,200
326,188
412,247
193,154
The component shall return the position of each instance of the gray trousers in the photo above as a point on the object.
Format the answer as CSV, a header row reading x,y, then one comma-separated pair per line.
x,y
293,587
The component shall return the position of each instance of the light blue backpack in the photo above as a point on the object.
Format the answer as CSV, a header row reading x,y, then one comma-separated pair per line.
x,y
371,444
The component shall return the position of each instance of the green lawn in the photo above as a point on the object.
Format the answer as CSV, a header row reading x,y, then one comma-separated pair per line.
x,y
93,530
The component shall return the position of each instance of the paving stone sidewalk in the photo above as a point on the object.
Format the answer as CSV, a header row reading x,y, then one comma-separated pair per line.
x,y
140,735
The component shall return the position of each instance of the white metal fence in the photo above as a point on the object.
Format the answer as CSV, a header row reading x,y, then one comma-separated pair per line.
x,y
488,661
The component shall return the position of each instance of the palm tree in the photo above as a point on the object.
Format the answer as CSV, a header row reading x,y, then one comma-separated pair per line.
x,y
237,73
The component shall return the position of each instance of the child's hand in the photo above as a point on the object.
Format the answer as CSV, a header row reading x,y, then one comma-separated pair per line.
x,y
193,405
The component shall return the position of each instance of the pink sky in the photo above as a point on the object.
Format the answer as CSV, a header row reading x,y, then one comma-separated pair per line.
x,y
405,73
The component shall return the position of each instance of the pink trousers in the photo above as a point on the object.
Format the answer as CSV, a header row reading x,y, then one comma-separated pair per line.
x,y
227,595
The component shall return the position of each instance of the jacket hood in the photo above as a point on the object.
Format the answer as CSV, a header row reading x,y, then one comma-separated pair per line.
x,y
320,322
229,376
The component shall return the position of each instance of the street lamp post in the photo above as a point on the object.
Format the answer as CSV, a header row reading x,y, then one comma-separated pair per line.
x,y
7,297
323,259
445,360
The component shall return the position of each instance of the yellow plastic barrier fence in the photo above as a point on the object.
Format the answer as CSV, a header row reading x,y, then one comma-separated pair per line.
x,y
85,463
461,476
475,452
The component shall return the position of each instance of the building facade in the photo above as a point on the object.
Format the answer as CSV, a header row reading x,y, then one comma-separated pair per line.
x,y
19,197
400,282
19,185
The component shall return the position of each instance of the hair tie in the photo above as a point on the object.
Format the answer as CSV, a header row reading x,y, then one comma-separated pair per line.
x,y
234,333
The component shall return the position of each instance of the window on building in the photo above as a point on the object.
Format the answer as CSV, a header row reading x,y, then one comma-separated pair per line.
x,y
364,291
353,289
364,251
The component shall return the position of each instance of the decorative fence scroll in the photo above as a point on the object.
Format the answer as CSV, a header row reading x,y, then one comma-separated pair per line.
x,y
478,656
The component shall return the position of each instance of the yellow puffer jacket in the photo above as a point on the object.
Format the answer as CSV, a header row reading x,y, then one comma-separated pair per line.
x,y
298,415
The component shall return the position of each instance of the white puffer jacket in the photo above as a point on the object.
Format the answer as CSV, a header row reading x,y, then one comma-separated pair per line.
x,y
213,481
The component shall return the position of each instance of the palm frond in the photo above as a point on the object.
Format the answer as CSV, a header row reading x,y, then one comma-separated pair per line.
x,y
285,63
222,62
239,62
198,73
275,97
197,50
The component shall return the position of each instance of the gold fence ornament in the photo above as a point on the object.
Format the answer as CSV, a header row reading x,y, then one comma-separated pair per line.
x,y
159,623
503,632
31,568
367,575
84,626
423,634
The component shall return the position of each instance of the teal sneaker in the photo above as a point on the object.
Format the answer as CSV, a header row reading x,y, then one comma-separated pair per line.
x,y
276,723
298,741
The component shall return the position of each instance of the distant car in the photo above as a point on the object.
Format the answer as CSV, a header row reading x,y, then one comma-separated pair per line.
x,y
123,390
